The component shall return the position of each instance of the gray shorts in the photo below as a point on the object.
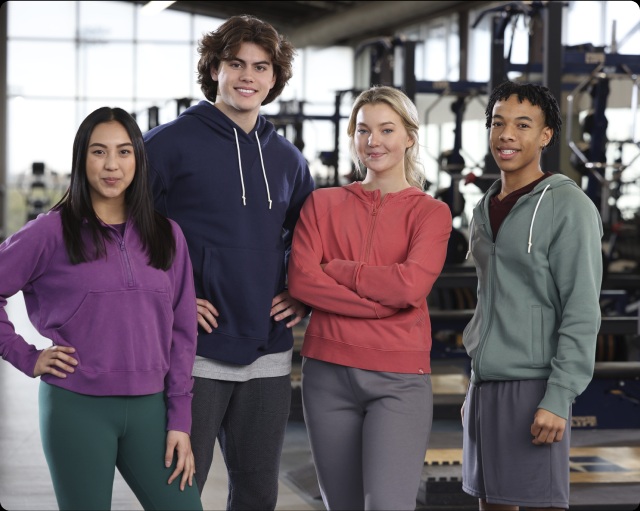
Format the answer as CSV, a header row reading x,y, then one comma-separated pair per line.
x,y
500,464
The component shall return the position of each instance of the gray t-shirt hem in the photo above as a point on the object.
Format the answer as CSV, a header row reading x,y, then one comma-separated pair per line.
x,y
268,366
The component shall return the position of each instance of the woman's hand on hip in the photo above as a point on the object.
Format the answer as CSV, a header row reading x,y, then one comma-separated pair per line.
x,y
55,360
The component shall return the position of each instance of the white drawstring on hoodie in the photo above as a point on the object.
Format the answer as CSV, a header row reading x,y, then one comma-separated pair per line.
x,y
264,172
470,236
533,218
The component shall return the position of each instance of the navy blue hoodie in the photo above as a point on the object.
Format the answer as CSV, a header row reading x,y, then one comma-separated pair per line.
x,y
237,198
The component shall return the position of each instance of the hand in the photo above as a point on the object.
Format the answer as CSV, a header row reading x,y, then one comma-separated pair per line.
x,y
547,427
55,357
283,306
179,442
207,315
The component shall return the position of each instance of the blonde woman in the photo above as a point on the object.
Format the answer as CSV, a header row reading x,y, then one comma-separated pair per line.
x,y
365,257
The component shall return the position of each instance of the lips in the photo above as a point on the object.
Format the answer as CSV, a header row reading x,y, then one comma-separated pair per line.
x,y
507,154
111,180
245,91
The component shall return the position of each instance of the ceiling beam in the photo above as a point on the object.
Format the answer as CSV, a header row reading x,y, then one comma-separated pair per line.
x,y
362,20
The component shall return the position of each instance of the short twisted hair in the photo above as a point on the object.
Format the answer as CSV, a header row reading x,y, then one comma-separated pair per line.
x,y
537,95
224,43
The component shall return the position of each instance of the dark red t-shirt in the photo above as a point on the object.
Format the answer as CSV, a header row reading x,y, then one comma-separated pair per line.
x,y
499,209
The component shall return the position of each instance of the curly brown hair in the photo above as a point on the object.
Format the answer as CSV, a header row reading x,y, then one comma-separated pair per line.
x,y
224,43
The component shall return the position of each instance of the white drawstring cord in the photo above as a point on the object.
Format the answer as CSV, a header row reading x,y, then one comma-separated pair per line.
x,y
244,199
470,235
264,172
534,217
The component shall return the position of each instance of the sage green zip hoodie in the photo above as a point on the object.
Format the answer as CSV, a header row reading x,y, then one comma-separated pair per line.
x,y
538,311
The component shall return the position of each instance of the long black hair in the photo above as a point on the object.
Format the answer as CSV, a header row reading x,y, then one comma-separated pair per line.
x,y
76,209
537,95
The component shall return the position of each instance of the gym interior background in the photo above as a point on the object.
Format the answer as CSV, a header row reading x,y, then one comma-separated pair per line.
x,y
61,60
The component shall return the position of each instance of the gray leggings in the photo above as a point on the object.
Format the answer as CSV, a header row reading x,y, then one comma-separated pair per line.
x,y
368,432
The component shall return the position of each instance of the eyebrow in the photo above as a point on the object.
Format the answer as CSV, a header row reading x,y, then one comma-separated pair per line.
x,y
521,118
259,63
104,145
381,124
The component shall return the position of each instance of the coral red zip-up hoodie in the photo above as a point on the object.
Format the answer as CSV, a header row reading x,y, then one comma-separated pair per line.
x,y
366,264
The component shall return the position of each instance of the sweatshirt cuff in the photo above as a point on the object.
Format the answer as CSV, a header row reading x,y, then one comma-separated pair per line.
x,y
343,272
557,400
23,356
179,414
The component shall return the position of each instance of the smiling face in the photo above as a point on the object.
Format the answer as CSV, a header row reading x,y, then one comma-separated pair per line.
x,y
111,165
517,136
243,84
380,141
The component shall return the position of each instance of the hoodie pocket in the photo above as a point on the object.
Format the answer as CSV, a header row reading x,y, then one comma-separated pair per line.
x,y
241,284
120,331
537,343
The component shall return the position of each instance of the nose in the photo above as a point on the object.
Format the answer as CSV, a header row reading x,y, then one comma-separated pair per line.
x,y
507,133
111,161
247,75
372,140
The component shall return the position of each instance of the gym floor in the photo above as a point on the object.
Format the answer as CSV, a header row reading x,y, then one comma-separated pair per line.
x,y
605,463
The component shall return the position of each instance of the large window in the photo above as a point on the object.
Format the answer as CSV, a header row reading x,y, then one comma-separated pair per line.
x,y
67,58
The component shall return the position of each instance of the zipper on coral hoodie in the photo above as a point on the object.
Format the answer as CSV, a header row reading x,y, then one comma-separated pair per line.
x,y
374,213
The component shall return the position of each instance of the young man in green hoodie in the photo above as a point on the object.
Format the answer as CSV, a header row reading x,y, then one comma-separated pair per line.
x,y
535,238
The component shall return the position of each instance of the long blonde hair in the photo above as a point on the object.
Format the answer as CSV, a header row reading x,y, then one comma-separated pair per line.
x,y
404,107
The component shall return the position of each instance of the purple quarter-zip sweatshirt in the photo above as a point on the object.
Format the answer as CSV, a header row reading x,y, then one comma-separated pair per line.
x,y
134,327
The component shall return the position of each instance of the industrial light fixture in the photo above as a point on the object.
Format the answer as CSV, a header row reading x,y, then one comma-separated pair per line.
x,y
154,7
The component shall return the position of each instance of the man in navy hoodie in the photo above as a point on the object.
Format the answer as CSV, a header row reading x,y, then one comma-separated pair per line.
x,y
236,187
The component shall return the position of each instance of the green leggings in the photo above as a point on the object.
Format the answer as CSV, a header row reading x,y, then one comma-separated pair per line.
x,y
86,437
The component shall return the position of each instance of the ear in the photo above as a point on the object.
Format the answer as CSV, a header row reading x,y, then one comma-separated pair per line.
x,y
410,142
214,73
547,134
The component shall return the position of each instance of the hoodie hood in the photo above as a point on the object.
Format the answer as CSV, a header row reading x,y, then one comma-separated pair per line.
x,y
226,129
552,182
223,126
373,196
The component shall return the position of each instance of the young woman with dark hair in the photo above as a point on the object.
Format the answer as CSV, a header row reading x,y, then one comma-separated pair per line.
x,y
109,281
76,205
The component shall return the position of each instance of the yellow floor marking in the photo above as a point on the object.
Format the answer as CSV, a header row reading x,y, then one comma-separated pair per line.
x,y
588,464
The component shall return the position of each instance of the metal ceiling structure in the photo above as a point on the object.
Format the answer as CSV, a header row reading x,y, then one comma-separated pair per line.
x,y
329,23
